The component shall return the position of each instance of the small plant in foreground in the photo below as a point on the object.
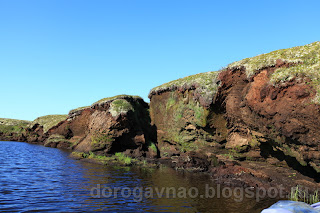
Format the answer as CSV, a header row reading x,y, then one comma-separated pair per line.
x,y
300,194
123,158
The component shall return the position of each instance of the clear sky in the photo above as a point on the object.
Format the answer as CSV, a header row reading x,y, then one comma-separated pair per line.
x,y
56,55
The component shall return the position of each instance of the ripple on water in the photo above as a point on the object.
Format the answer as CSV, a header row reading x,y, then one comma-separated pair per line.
x,y
39,179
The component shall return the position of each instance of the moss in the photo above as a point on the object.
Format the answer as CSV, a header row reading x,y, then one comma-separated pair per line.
x,y
254,142
203,83
171,102
234,154
110,99
55,138
13,122
100,141
229,156
188,146
214,161
153,147
198,113
120,106
304,60
183,119
49,121
118,160
123,159
307,55
295,154
79,109
13,125
77,155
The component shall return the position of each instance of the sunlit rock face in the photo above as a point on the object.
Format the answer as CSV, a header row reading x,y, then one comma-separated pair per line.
x,y
116,124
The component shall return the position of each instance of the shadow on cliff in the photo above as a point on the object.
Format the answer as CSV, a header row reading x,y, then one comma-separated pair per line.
x,y
269,149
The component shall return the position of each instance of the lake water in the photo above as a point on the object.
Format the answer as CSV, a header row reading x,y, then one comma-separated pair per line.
x,y
34,178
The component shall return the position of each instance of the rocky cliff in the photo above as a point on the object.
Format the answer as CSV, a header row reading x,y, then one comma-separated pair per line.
x,y
258,110
28,131
12,129
255,122
111,125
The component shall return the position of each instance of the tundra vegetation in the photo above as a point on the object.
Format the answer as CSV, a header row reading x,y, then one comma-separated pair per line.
x,y
49,121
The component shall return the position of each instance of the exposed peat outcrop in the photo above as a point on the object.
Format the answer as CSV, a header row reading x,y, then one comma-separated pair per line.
x,y
29,131
261,112
111,125
254,123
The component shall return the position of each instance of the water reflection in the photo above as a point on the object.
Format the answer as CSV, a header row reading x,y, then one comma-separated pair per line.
x,y
36,178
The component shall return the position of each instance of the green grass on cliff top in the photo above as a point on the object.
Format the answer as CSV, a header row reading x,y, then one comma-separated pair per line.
x,y
205,81
306,59
78,109
110,99
49,121
120,106
12,125
14,122
305,62
104,100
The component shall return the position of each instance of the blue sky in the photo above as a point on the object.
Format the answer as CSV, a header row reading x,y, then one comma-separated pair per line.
x,y
56,55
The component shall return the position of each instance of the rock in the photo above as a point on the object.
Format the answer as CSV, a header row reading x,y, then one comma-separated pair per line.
x,y
191,127
58,141
259,106
193,161
111,125
236,141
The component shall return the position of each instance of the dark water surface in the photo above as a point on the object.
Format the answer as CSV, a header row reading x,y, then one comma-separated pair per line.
x,y
34,178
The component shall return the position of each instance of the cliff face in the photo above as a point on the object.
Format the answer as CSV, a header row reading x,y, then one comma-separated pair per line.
x,y
277,120
271,103
28,131
261,109
13,130
184,115
255,122
117,124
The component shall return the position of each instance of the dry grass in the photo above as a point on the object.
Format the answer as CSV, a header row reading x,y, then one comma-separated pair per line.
x,y
49,121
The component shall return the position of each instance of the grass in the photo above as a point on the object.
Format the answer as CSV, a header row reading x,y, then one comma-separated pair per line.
x,y
100,141
307,56
153,147
120,106
79,109
200,114
119,160
110,99
187,147
304,60
170,103
13,125
299,194
204,84
229,155
13,122
122,158
55,138
49,121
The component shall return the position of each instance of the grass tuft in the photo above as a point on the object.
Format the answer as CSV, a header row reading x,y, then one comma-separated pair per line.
x,y
49,121
203,83
110,99
304,60
299,194
120,106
